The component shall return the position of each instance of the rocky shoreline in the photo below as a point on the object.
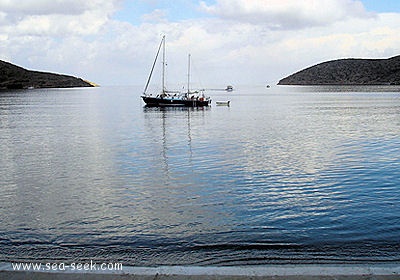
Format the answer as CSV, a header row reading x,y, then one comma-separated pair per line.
x,y
15,77
348,72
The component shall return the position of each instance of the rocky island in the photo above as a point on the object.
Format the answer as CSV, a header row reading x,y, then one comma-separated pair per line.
x,y
348,72
15,77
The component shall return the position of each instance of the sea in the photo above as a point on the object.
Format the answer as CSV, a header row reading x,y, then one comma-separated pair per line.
x,y
284,175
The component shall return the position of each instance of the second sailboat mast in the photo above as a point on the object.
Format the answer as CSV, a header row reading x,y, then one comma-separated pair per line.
x,y
188,76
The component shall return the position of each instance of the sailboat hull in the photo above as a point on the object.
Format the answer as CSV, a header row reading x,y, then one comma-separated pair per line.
x,y
162,102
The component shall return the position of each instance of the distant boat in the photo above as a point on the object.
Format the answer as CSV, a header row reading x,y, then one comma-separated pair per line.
x,y
223,103
173,98
229,88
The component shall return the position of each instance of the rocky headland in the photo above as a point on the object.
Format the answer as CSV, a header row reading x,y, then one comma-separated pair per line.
x,y
348,72
15,77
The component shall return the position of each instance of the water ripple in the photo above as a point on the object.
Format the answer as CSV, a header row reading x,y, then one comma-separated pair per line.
x,y
310,177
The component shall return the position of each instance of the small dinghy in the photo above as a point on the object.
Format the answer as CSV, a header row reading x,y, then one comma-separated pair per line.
x,y
223,103
229,88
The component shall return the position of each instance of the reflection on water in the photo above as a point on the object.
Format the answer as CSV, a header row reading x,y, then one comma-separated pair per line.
x,y
283,175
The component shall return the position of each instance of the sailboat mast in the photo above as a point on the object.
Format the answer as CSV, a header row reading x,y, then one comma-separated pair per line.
x,y
154,64
163,66
188,76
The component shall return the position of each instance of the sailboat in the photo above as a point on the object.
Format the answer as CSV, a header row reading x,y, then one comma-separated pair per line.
x,y
173,98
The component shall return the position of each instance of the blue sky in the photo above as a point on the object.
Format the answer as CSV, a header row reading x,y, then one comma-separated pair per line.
x,y
382,6
133,10
231,41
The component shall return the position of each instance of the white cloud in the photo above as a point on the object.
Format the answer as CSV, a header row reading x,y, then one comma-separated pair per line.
x,y
92,45
48,7
54,17
156,15
287,14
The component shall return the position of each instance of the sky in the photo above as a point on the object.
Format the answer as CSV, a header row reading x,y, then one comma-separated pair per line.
x,y
239,42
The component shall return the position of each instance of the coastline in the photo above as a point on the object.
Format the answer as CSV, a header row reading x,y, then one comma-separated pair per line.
x,y
345,271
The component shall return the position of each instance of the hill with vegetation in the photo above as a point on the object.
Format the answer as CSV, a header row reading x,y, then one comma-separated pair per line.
x,y
349,72
15,77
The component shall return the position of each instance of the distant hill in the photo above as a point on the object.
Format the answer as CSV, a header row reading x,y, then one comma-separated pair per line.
x,y
349,72
15,77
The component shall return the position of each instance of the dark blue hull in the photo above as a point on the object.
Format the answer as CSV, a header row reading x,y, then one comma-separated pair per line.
x,y
160,102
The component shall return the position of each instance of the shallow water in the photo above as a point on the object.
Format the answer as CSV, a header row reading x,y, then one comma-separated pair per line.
x,y
283,175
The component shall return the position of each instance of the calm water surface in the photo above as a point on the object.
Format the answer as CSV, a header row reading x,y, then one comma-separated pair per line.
x,y
283,175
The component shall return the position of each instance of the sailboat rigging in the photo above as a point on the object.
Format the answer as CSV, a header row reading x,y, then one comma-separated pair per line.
x,y
173,98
